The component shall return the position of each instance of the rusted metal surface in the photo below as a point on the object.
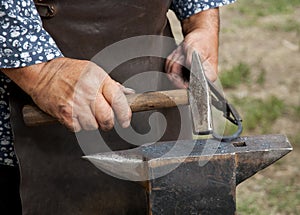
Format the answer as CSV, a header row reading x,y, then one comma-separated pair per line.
x,y
202,182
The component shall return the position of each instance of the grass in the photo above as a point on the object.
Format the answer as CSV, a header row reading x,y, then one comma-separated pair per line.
x,y
295,140
261,79
291,25
235,76
282,196
297,111
248,206
259,8
288,25
257,114
251,11
261,114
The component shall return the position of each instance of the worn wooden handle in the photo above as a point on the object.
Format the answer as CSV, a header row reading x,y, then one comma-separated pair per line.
x,y
33,116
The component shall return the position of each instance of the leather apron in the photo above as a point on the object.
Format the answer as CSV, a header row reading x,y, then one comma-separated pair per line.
x,y
54,177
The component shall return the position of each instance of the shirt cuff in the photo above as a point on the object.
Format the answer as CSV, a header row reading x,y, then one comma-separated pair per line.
x,y
186,8
23,40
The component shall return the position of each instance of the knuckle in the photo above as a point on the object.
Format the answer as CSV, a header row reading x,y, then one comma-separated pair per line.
x,y
90,125
125,119
118,98
72,127
76,129
106,122
127,116
106,125
65,111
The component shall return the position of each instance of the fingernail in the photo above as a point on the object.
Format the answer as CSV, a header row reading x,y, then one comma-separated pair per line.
x,y
129,90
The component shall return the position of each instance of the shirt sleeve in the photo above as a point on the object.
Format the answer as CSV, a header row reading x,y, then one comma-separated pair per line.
x,y
186,8
23,40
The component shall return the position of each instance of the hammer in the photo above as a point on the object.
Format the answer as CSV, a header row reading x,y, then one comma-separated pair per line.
x,y
198,96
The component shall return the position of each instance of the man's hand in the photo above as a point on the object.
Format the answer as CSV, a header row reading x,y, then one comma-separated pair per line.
x,y
78,93
201,33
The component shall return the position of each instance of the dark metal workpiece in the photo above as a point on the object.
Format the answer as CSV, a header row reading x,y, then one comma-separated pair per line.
x,y
229,112
205,180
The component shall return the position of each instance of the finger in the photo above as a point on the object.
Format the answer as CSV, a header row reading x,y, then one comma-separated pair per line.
x,y
189,53
117,101
67,118
169,60
174,57
72,125
176,76
177,58
126,90
189,49
177,65
87,119
175,68
177,81
103,113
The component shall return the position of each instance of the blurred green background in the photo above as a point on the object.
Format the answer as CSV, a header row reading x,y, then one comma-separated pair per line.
x,y
259,67
260,71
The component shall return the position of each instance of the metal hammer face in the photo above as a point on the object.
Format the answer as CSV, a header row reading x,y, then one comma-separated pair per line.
x,y
200,98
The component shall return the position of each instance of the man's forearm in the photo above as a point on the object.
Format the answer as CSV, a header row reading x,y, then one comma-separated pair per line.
x,y
25,77
205,20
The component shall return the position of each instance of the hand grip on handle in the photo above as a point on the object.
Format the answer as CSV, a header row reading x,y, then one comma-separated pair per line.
x,y
33,116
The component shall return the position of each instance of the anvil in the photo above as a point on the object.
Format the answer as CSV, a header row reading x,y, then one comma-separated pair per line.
x,y
201,182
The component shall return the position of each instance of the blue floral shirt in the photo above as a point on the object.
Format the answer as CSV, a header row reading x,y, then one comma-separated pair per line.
x,y
186,8
24,42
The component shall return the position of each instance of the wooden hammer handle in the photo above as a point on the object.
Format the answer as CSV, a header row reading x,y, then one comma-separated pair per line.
x,y
33,116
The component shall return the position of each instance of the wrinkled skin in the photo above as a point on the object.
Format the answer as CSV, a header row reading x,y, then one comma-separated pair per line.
x,y
78,93
202,35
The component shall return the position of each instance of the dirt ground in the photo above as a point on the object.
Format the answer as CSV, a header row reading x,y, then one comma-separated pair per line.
x,y
265,44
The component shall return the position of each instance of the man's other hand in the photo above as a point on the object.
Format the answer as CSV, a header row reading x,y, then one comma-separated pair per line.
x,y
201,34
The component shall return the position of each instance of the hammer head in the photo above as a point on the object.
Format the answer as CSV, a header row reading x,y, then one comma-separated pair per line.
x,y
199,98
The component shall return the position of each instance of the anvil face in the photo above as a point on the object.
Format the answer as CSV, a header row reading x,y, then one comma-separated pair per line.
x,y
251,154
